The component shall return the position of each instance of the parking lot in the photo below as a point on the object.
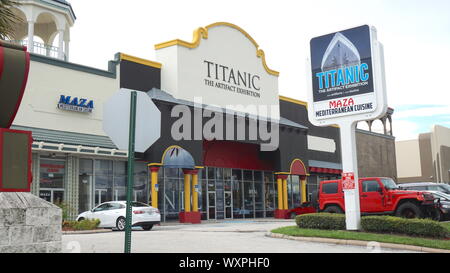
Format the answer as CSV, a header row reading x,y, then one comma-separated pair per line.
x,y
236,236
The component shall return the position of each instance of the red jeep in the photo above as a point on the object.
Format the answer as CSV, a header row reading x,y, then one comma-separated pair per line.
x,y
378,195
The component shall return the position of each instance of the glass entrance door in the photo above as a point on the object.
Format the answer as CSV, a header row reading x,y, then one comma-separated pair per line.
x,y
228,205
85,193
211,205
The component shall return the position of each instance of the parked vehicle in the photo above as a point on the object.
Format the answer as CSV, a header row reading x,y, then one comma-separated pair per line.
x,y
304,208
112,215
426,186
379,195
444,204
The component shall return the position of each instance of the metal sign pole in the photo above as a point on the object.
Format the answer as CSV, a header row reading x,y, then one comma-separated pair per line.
x,y
130,170
350,166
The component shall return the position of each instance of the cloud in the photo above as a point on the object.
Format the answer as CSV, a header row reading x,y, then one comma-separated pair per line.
x,y
424,111
405,130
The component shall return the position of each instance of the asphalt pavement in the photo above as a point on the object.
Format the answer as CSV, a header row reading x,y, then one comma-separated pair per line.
x,y
234,236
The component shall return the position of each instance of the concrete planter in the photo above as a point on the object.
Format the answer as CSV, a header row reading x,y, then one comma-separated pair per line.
x,y
29,224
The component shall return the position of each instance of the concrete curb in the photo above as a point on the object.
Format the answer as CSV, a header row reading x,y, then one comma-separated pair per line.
x,y
357,243
86,231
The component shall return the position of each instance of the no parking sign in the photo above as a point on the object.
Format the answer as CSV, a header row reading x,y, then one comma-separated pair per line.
x,y
348,181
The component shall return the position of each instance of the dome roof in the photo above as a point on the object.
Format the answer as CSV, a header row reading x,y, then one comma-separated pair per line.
x,y
64,2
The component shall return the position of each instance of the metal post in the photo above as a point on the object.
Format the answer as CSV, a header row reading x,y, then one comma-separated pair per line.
x,y
130,171
349,164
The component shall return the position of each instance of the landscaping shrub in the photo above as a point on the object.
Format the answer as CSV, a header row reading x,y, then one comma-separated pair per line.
x,y
376,224
66,210
87,224
333,221
411,227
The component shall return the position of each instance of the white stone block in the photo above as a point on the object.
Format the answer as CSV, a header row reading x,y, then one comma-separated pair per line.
x,y
4,236
37,217
21,235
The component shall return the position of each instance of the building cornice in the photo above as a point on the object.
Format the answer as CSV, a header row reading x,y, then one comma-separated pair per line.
x,y
202,33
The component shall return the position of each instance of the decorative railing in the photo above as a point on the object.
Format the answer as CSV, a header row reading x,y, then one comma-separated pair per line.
x,y
41,49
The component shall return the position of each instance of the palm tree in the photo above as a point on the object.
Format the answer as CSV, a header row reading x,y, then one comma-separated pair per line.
x,y
7,18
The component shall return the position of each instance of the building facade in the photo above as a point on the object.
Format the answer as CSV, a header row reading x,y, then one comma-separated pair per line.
x,y
425,159
230,146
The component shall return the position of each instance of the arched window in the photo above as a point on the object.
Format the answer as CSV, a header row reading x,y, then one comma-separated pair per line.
x,y
378,127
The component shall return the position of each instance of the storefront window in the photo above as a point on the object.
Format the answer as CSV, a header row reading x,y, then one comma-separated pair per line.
x,y
249,194
120,181
238,204
161,193
220,194
173,191
103,181
312,185
296,197
259,193
52,174
269,194
86,172
141,179
224,193
204,195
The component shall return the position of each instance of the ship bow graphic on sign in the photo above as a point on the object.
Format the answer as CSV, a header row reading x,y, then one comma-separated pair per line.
x,y
340,53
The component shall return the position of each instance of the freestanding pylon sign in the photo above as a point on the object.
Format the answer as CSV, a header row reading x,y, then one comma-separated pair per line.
x,y
347,85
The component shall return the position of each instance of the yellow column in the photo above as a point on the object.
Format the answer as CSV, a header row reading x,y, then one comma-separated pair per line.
x,y
280,193
194,192
285,194
304,199
154,176
187,192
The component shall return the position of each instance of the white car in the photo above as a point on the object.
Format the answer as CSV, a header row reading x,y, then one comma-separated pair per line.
x,y
112,215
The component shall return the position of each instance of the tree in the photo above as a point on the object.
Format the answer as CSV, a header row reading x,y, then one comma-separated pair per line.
x,y
7,18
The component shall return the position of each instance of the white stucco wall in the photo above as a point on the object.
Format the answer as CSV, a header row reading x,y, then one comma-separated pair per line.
x,y
440,136
184,71
46,83
408,158
321,144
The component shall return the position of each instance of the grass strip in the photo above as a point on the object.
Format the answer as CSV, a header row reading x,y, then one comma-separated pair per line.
x,y
364,236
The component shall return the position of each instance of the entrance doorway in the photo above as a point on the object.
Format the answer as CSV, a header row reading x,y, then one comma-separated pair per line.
x,y
228,205
211,205
85,192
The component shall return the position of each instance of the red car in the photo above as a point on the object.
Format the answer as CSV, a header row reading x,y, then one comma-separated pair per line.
x,y
378,195
304,208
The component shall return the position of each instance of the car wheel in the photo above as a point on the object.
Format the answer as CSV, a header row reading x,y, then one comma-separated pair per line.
x,y
121,223
333,209
147,227
437,215
409,210
80,219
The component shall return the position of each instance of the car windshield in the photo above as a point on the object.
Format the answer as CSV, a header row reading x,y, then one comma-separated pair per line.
x,y
442,196
445,188
389,183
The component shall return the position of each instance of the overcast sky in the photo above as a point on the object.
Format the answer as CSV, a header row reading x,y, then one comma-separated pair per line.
x,y
415,34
